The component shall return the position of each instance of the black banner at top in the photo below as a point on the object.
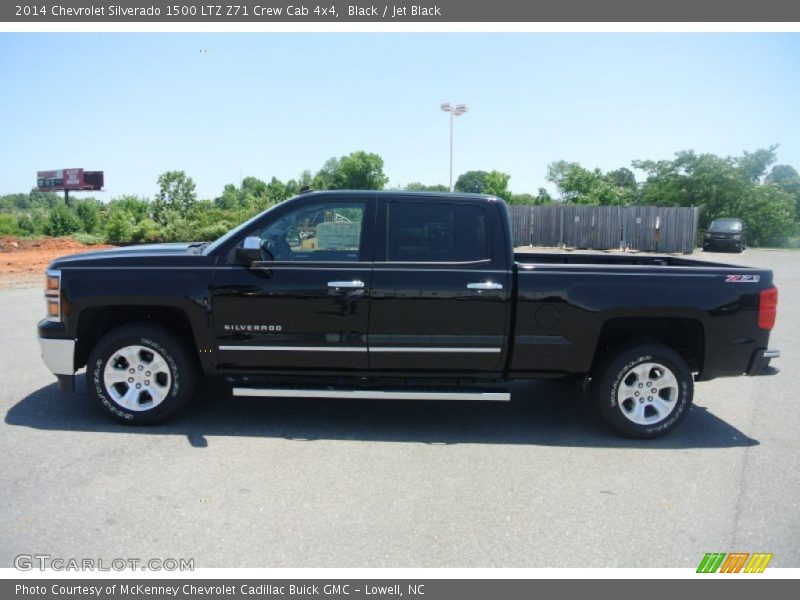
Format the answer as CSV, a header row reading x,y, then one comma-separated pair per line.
x,y
392,11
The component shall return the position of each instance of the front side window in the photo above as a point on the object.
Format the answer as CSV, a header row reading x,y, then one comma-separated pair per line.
x,y
439,232
328,231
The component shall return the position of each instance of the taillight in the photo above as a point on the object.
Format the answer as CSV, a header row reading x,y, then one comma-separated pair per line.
x,y
767,308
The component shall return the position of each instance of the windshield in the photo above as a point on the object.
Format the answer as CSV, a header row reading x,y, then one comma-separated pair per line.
x,y
732,224
237,230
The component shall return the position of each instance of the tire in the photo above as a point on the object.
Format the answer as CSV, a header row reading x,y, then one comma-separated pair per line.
x,y
120,361
621,393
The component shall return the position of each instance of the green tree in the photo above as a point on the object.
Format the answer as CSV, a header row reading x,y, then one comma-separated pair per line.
x,y
622,178
543,197
88,212
362,171
471,182
726,187
230,198
9,225
176,194
769,214
416,186
781,173
522,199
497,185
713,183
357,171
120,226
62,220
138,208
557,172
579,185
327,177
753,165
32,222
787,179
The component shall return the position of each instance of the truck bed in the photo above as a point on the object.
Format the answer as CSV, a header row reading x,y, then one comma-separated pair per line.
x,y
527,259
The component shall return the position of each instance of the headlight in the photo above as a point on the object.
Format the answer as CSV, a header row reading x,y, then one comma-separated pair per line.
x,y
737,236
52,294
708,236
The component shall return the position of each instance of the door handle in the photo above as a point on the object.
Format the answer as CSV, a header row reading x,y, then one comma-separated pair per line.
x,y
485,285
345,284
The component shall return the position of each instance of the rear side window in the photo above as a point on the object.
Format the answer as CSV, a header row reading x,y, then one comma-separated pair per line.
x,y
436,232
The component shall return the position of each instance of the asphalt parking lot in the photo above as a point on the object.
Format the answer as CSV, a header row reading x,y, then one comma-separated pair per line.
x,y
538,482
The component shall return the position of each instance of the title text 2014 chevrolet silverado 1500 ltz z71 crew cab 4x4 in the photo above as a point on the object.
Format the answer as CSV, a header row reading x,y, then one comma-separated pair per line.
x,y
393,295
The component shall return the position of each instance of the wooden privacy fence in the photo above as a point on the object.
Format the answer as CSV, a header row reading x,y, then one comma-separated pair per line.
x,y
645,228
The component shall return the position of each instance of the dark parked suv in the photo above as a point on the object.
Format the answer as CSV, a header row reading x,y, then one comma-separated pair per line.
x,y
726,234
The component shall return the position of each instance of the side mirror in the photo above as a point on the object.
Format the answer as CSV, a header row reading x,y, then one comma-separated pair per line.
x,y
250,251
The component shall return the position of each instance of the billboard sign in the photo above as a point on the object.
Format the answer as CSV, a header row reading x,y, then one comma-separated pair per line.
x,y
69,179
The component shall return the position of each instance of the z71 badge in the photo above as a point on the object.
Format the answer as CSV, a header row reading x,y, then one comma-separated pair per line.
x,y
742,278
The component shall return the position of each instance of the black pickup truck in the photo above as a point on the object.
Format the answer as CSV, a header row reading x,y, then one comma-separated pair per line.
x,y
393,295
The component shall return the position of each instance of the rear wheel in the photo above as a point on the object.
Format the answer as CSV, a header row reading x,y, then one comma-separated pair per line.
x,y
643,390
141,373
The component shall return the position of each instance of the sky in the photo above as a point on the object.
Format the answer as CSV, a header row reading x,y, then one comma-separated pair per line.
x,y
223,106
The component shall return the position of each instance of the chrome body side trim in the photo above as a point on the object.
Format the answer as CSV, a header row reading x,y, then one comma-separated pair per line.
x,y
423,349
420,349
296,348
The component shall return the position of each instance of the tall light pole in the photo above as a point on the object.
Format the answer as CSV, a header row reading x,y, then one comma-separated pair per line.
x,y
454,110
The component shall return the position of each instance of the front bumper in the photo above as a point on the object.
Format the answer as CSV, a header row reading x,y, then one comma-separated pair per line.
x,y
759,363
59,356
723,242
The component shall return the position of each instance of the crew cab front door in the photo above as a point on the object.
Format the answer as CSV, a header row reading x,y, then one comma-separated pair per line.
x,y
305,305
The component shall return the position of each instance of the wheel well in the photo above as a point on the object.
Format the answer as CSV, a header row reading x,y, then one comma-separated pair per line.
x,y
94,323
685,336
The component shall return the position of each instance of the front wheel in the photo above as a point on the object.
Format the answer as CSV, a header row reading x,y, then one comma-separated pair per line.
x,y
643,390
141,373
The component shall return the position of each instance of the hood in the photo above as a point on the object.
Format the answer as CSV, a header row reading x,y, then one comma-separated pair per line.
x,y
127,252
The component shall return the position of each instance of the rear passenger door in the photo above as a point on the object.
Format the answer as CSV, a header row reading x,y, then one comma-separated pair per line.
x,y
440,287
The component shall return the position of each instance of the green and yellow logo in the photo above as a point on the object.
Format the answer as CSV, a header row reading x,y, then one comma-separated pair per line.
x,y
735,562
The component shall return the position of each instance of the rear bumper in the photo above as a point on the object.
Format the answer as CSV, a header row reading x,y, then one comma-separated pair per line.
x,y
59,356
759,363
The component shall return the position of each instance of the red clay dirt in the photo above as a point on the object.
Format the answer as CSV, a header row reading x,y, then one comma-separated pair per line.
x,y
23,260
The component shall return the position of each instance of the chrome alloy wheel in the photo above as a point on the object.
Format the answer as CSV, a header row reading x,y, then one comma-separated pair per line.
x,y
137,378
647,393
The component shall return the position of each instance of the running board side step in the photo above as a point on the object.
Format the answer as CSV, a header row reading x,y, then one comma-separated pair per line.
x,y
370,394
